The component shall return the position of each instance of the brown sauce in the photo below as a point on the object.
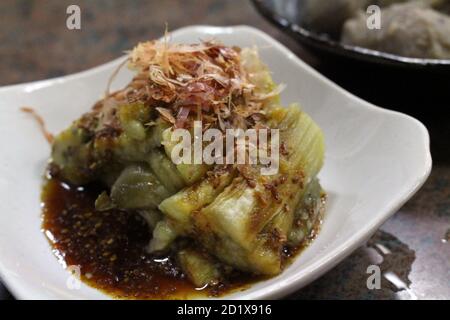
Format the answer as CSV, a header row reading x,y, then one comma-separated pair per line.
x,y
109,249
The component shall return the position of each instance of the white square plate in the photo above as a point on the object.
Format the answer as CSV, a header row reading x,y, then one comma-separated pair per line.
x,y
375,160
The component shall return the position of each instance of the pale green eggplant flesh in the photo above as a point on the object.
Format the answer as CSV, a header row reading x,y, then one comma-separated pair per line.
x,y
138,188
181,206
163,236
233,226
189,172
199,267
166,171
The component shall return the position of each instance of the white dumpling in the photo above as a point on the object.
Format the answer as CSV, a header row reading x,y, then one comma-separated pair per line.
x,y
329,16
411,30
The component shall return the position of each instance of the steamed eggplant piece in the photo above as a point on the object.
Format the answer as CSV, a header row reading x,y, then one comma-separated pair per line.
x,y
151,216
71,152
138,188
164,234
239,215
307,214
199,267
101,143
166,171
190,173
260,76
104,202
232,224
181,206
137,138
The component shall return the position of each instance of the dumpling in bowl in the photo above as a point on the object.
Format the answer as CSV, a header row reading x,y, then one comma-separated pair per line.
x,y
410,30
329,16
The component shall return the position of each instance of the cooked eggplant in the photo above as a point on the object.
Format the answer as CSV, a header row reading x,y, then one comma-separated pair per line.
x,y
163,236
212,219
190,173
233,226
138,188
166,171
199,267
182,205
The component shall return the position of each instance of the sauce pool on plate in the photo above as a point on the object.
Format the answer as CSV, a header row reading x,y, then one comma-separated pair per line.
x,y
109,248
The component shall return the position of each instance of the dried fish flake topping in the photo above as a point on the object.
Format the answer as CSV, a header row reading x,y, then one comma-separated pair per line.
x,y
200,81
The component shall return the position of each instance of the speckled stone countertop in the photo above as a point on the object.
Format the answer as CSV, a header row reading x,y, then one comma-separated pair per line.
x,y
412,248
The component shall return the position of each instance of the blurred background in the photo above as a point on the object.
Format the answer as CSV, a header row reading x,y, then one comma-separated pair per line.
x,y
35,44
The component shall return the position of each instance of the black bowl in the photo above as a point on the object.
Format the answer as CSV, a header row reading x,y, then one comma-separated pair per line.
x,y
284,14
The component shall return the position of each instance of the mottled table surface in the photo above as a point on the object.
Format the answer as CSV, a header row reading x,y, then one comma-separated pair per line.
x,y
412,248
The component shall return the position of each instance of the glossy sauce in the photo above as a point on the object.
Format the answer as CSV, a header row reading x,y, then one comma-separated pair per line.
x,y
109,249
